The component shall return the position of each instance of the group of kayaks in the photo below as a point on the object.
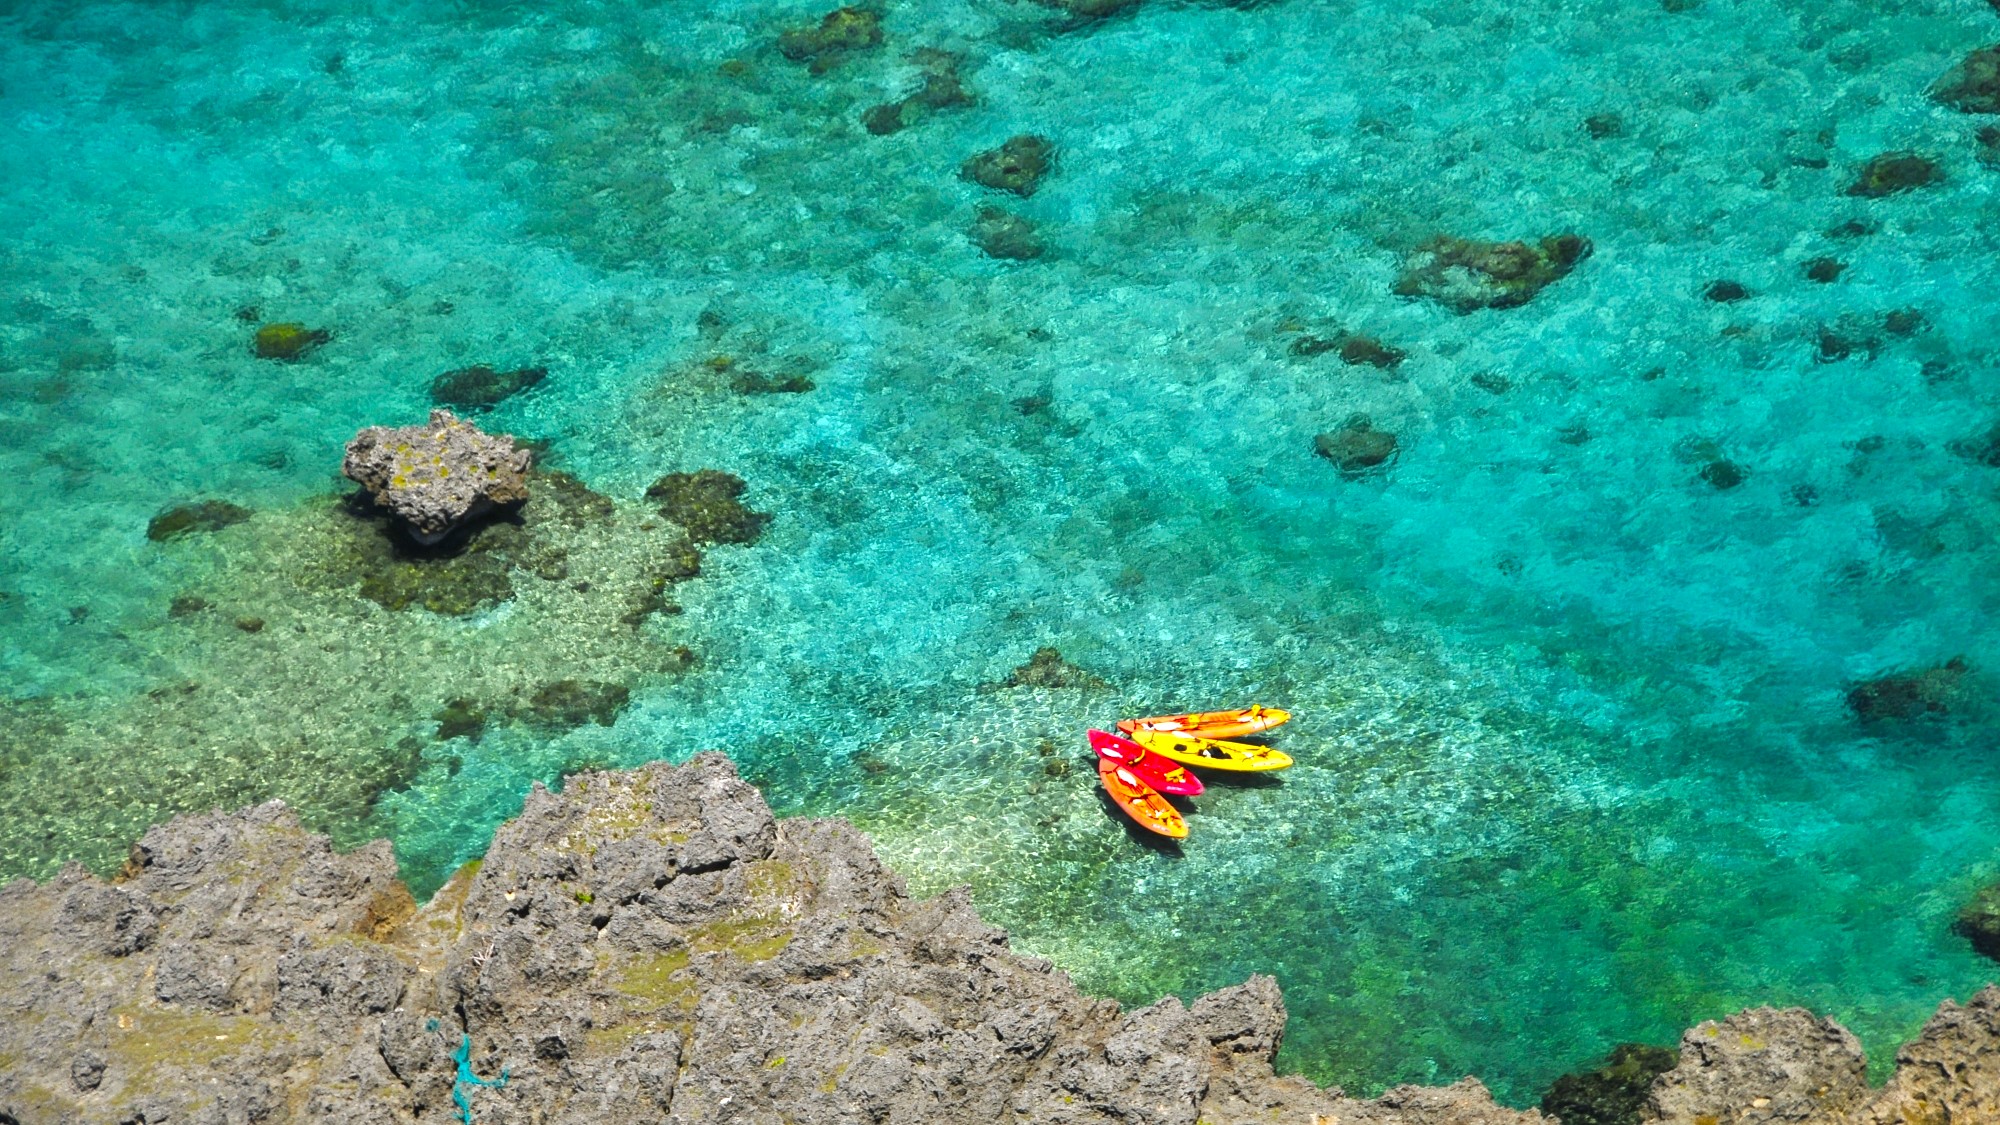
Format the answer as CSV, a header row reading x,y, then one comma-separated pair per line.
x,y
1147,759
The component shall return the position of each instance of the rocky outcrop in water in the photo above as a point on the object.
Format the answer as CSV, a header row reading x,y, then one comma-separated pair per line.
x,y
1017,165
435,477
654,946
1973,86
647,946
480,387
192,518
1466,274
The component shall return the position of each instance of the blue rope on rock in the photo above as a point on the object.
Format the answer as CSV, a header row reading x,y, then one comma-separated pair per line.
x,y
459,1094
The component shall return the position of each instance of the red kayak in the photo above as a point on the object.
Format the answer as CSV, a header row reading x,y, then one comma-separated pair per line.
x,y
1158,772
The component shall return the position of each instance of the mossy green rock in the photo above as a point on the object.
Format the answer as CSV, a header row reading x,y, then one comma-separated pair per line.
x,y
1979,921
1466,274
187,519
460,577
707,504
480,387
1613,1094
1894,172
571,703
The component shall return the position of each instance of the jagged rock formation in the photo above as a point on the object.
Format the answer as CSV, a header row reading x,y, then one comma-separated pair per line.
x,y
647,946
437,476
654,946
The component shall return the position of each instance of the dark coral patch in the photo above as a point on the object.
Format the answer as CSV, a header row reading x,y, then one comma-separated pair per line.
x,y
1046,668
1466,275
1973,86
1894,172
1357,448
188,519
707,503
1017,165
1613,1094
564,704
1908,695
837,35
480,387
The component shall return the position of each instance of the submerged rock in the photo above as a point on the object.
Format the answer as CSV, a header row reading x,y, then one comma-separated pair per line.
x,y
1017,165
1613,1094
838,34
188,519
571,703
1987,150
287,341
480,387
707,503
1047,669
1894,172
1358,350
941,89
1006,236
1357,448
1091,9
1908,695
1725,292
436,477
1723,474
1978,921
1982,448
1973,86
1466,275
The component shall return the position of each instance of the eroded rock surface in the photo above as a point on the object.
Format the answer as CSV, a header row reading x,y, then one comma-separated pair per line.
x,y
437,476
653,946
648,946
1467,274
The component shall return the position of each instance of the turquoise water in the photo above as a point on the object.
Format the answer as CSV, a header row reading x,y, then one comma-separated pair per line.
x,y
1576,761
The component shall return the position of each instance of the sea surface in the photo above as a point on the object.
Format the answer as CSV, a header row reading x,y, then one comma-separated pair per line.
x,y
1592,742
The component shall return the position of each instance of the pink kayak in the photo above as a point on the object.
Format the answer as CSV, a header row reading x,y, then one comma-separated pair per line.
x,y
1158,772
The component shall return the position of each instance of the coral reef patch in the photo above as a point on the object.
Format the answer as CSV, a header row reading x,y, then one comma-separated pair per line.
x,y
480,387
192,518
708,504
1466,275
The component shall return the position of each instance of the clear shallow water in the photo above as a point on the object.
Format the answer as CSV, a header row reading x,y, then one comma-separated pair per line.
x,y
1576,766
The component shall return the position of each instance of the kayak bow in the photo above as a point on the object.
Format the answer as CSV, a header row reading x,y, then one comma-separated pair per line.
x,y
1254,719
1158,772
1138,801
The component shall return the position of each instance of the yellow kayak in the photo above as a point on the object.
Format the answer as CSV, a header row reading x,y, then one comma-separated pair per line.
x,y
1210,753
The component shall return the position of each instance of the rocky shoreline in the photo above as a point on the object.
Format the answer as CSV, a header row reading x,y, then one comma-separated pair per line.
x,y
655,946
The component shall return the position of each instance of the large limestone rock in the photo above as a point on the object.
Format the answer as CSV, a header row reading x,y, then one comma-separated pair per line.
x,y
1765,1064
437,476
649,947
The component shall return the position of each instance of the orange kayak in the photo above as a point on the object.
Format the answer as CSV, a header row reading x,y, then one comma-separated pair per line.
x,y
1254,719
1140,802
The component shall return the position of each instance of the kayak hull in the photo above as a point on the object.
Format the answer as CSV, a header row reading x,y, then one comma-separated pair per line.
x,y
1255,719
1213,753
1163,775
1139,801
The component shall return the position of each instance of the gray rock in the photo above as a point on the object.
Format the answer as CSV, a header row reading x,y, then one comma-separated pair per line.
x,y
653,946
1765,1064
437,476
